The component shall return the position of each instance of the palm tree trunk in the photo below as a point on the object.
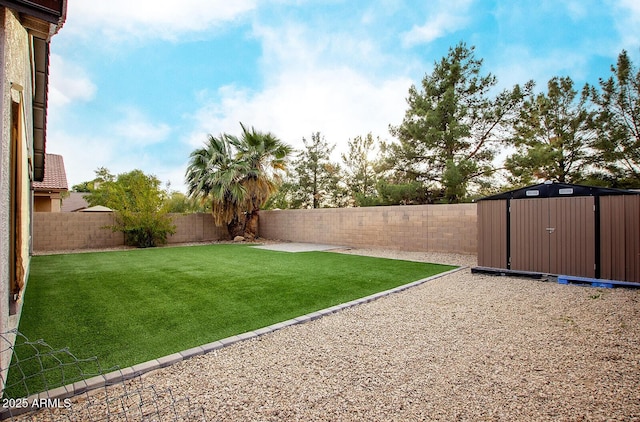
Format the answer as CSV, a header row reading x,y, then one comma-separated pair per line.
x,y
251,226
236,227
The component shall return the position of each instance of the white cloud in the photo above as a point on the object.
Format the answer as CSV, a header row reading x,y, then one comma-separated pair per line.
x,y
84,153
330,84
132,142
164,19
339,103
136,128
519,66
451,18
68,82
632,6
627,22
436,27
296,47
576,9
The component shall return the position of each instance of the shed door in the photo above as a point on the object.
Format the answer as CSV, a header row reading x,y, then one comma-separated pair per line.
x,y
553,235
529,237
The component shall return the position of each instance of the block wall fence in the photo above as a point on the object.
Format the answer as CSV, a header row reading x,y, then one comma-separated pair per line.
x,y
434,228
429,228
85,230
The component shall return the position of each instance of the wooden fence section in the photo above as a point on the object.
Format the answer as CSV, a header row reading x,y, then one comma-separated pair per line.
x,y
433,228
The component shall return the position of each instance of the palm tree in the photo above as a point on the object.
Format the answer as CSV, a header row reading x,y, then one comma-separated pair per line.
x,y
238,175
214,174
265,156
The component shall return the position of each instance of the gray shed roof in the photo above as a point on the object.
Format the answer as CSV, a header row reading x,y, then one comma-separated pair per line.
x,y
557,190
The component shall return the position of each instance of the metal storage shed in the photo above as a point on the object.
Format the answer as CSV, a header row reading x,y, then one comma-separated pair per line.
x,y
562,229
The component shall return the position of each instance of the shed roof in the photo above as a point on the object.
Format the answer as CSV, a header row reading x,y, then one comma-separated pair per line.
x,y
557,190
96,208
55,178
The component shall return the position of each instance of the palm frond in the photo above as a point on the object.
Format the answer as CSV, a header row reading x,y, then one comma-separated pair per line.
x,y
238,174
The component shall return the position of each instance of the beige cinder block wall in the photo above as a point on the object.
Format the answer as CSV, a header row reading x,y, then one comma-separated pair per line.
x,y
198,227
86,230
68,231
436,228
433,228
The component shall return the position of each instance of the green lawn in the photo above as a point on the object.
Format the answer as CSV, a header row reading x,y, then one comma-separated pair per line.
x,y
132,306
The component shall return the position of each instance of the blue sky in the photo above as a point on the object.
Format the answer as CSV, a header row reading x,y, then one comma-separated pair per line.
x,y
140,83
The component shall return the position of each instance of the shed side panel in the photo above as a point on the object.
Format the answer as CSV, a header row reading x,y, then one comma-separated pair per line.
x,y
572,236
492,234
612,238
529,236
632,231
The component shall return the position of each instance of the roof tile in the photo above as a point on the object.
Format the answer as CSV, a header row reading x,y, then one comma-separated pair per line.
x,y
55,178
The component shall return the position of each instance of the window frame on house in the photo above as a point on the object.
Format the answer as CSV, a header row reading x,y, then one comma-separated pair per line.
x,y
16,193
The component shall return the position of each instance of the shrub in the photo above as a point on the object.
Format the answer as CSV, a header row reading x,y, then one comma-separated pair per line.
x,y
144,229
138,202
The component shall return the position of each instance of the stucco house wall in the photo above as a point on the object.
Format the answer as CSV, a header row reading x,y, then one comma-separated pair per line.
x,y
15,85
26,28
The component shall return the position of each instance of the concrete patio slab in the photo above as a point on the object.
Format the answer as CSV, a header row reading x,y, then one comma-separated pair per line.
x,y
298,247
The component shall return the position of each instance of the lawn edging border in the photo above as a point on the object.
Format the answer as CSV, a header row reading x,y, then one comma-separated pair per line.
x,y
121,375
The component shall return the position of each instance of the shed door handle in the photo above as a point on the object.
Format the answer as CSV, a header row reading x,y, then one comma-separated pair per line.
x,y
551,229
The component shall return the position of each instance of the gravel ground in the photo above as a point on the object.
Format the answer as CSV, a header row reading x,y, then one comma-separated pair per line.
x,y
436,257
462,347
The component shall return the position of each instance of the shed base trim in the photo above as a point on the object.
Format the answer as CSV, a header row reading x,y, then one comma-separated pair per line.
x,y
506,272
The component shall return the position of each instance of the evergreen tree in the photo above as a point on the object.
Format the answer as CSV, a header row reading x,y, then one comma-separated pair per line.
x,y
359,169
551,136
617,124
450,133
314,176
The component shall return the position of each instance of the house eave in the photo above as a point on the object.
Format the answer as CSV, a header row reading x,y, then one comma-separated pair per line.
x,y
43,19
44,191
50,11
41,73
